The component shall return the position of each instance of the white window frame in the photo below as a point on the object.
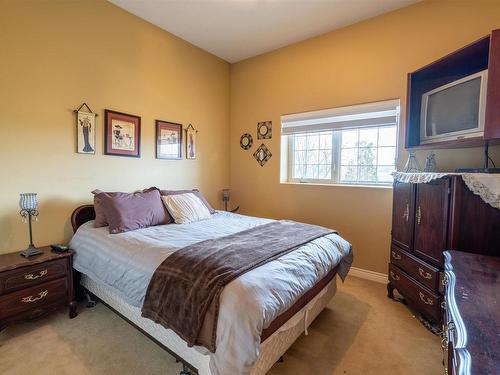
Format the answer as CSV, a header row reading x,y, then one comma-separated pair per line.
x,y
308,121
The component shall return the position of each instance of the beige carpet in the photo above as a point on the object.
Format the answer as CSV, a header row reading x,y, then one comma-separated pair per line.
x,y
361,332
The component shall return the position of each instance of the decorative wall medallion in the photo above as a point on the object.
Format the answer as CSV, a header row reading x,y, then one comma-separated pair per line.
x,y
264,130
246,141
262,155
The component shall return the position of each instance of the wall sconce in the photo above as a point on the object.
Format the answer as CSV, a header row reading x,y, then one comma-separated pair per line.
x,y
28,203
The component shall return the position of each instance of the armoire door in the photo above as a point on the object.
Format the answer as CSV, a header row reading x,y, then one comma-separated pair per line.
x,y
402,215
431,219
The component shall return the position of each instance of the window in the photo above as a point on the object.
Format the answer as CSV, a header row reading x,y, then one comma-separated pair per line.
x,y
348,145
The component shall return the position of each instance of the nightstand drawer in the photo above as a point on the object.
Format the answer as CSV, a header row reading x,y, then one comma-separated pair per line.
x,y
415,293
418,269
26,277
31,298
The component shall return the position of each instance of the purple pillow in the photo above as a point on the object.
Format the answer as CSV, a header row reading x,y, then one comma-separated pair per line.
x,y
194,191
100,216
129,211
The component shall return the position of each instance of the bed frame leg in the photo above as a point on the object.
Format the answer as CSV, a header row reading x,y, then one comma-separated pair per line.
x,y
90,302
185,370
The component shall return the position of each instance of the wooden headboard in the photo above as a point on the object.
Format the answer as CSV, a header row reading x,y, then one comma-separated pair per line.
x,y
81,215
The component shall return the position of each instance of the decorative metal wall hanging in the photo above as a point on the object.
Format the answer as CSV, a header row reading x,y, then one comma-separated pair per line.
x,y
264,130
191,133
85,129
262,154
246,141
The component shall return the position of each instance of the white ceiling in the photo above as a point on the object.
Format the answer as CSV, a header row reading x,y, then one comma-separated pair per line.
x,y
237,29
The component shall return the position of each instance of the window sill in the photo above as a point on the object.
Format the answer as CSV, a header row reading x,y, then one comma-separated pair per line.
x,y
337,185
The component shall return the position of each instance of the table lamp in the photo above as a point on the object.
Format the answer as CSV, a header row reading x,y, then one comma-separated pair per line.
x,y
28,204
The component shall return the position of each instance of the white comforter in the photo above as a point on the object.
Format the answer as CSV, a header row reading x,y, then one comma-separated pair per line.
x,y
127,261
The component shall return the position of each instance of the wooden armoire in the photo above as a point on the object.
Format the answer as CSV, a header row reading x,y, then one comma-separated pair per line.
x,y
427,219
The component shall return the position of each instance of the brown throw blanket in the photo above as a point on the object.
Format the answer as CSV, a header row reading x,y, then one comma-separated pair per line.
x,y
184,292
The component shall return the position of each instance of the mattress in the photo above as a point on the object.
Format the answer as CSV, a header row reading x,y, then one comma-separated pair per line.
x,y
125,263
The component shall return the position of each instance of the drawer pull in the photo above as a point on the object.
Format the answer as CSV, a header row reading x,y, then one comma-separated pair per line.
x,y
444,339
419,215
444,281
394,276
406,214
425,299
424,274
396,255
31,299
30,276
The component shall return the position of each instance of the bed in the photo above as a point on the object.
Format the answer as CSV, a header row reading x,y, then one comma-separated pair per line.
x,y
262,312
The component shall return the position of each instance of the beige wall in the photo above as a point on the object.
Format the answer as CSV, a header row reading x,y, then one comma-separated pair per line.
x,y
361,63
58,54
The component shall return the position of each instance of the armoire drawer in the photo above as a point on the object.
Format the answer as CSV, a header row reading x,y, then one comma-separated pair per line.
x,y
415,293
421,271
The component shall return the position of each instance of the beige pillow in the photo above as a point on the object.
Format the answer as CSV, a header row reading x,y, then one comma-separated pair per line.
x,y
186,208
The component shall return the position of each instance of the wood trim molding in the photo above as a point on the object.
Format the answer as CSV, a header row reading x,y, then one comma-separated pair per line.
x,y
368,275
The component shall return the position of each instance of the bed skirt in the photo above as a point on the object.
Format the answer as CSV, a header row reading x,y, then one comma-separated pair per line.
x,y
271,349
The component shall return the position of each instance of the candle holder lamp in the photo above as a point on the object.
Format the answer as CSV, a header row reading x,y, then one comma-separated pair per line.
x,y
225,199
28,203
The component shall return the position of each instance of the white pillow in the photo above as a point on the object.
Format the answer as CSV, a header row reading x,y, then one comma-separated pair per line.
x,y
186,208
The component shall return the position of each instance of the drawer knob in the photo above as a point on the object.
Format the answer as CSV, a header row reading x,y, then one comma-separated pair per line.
x,y
394,276
30,276
425,299
31,299
424,274
395,255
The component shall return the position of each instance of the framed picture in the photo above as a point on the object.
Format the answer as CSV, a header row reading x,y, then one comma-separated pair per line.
x,y
191,142
85,132
168,140
122,134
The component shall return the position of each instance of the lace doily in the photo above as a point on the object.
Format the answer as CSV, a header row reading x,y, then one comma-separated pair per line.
x,y
486,185
418,178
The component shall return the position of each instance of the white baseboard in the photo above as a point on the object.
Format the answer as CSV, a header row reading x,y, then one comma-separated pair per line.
x,y
368,275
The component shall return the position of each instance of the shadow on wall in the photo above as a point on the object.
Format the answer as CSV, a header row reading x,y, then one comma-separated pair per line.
x,y
330,336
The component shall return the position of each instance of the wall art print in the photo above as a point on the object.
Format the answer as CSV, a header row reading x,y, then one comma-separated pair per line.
x,y
85,130
122,134
168,140
191,134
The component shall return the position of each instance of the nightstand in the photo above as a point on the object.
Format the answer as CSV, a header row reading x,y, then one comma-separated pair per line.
x,y
36,286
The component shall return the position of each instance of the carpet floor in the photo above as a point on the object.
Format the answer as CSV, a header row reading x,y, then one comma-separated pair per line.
x,y
360,332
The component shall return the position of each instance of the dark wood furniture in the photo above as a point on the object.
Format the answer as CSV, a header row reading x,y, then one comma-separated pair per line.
x,y
480,55
471,339
429,218
36,286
